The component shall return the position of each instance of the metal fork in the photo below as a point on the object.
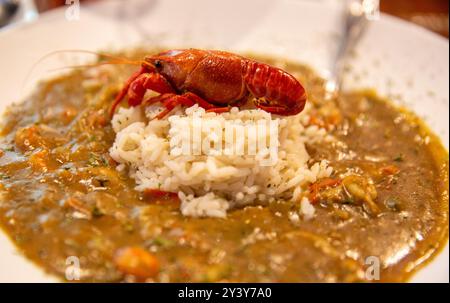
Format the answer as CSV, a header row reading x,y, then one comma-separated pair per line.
x,y
8,8
16,11
357,14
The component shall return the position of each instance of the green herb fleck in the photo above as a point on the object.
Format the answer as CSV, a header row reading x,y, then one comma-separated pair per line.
x,y
399,158
4,176
128,227
96,212
163,242
95,160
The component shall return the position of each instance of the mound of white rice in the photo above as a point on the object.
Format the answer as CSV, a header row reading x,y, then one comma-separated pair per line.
x,y
208,184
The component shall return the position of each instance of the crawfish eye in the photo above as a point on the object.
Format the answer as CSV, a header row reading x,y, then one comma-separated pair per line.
x,y
158,64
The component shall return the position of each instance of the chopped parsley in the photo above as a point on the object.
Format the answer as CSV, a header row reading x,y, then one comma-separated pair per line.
x,y
96,212
96,160
399,158
162,241
128,227
4,176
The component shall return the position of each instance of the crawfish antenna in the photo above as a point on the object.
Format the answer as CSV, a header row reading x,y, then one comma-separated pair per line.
x,y
111,60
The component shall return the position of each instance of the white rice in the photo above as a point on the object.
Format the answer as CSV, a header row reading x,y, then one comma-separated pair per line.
x,y
210,185
307,209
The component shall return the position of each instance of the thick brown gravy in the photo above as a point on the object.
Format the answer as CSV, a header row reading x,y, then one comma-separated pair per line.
x,y
61,196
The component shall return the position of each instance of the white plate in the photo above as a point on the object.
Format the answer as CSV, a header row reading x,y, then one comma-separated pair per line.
x,y
400,60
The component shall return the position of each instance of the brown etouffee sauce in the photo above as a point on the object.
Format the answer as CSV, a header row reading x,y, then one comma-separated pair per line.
x,y
61,196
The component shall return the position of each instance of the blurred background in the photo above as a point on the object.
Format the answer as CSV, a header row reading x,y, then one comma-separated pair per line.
x,y
431,14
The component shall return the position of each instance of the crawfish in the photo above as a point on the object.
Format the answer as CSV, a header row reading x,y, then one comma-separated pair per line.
x,y
215,80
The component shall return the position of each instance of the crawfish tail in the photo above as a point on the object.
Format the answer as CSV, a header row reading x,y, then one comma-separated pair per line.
x,y
279,88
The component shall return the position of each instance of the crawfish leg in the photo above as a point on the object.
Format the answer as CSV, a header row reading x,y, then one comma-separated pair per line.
x,y
205,104
278,110
170,101
124,90
163,99
143,82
